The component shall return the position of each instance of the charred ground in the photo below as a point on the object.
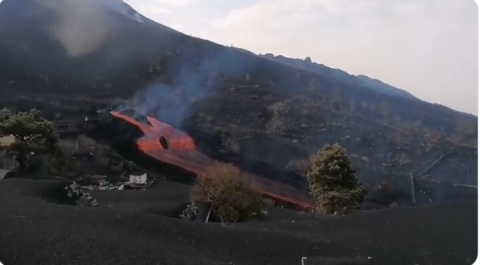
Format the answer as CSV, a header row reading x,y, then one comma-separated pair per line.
x,y
257,108
232,102
142,227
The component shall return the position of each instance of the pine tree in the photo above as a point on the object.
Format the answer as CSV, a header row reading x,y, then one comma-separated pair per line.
x,y
333,183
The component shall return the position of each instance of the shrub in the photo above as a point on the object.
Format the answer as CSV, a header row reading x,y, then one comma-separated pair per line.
x,y
229,194
31,133
333,183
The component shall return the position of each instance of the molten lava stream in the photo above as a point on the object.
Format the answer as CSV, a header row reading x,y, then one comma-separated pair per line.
x,y
166,144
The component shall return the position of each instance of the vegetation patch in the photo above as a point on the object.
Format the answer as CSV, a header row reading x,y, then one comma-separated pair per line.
x,y
228,193
333,183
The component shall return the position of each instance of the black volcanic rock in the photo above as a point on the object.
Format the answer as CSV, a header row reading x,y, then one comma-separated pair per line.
x,y
67,56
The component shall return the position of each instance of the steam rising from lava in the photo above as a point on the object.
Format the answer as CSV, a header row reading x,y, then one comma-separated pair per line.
x,y
172,103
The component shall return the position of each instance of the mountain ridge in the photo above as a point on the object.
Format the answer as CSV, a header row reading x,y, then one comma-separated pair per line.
x,y
342,76
338,74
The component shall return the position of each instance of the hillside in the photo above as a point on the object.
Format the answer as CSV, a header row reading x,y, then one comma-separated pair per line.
x,y
63,61
340,76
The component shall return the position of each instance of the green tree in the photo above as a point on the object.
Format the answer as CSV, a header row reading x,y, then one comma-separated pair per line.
x,y
32,132
333,183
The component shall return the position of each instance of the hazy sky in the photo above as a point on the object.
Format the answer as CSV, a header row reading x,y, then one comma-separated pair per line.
x,y
427,47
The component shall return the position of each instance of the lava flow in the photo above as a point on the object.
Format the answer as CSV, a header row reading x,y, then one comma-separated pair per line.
x,y
172,146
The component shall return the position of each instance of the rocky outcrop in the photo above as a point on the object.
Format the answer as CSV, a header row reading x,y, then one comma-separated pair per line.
x,y
190,213
197,212
79,195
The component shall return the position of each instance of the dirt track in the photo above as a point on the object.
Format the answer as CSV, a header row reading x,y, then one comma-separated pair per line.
x,y
135,227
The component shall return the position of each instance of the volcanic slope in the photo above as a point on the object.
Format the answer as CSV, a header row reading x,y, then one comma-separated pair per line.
x,y
140,227
183,164
340,76
72,55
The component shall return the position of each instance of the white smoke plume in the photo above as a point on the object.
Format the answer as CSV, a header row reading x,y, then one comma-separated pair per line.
x,y
82,25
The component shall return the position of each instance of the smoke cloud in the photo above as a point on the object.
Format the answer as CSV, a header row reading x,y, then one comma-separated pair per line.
x,y
172,103
82,26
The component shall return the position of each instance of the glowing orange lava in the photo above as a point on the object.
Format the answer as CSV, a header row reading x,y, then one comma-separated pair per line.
x,y
169,145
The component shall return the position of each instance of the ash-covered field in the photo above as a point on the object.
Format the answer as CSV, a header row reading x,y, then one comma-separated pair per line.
x,y
38,226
